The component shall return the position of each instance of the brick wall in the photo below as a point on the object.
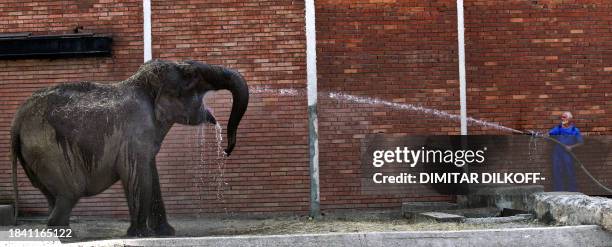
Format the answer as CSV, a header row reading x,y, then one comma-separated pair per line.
x,y
263,40
529,61
526,62
19,78
400,51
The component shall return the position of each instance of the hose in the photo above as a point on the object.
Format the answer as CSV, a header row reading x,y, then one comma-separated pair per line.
x,y
577,161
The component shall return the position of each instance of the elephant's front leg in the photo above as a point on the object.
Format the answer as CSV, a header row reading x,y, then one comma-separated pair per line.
x,y
136,178
157,220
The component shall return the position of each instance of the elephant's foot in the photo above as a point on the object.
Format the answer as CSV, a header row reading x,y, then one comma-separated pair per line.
x,y
139,232
164,229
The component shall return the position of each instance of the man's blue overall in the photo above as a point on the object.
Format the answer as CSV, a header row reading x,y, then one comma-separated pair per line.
x,y
564,177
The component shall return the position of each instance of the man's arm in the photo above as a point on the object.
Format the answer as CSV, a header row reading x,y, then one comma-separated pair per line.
x,y
553,131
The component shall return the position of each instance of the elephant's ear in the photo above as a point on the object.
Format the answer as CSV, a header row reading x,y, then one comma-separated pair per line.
x,y
190,78
159,106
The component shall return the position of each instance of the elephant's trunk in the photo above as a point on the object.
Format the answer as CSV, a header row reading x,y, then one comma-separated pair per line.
x,y
222,78
240,93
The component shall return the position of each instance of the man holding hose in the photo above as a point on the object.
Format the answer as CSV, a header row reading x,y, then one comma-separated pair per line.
x,y
564,177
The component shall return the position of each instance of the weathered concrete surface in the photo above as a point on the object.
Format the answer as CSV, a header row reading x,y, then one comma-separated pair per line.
x,y
7,215
541,237
497,220
475,212
503,196
439,217
571,208
411,209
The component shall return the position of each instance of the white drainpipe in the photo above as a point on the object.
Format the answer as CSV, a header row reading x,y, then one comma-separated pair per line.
x,y
146,13
313,131
462,82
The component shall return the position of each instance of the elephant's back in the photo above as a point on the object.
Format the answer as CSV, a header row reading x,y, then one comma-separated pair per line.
x,y
66,95
63,94
65,105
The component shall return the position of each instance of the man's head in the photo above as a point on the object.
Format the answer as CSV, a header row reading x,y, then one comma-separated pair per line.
x,y
566,118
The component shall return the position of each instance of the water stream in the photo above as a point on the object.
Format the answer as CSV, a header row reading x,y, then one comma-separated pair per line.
x,y
281,91
213,168
219,179
201,144
348,98
415,108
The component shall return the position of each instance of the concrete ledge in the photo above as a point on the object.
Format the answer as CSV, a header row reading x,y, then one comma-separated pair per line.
x,y
439,217
411,209
7,215
570,208
546,236
499,220
503,196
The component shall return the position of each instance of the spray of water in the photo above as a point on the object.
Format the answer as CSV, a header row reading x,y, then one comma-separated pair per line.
x,y
534,148
214,166
280,91
375,101
420,109
201,144
219,179
533,144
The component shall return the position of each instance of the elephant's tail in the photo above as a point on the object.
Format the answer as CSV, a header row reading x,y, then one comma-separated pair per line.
x,y
15,152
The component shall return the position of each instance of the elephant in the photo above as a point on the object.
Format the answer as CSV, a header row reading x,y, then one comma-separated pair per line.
x,y
76,140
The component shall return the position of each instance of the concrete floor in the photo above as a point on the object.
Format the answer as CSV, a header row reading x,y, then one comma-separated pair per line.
x,y
87,229
570,236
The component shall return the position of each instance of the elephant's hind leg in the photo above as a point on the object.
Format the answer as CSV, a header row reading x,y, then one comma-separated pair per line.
x,y
50,198
51,201
60,216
